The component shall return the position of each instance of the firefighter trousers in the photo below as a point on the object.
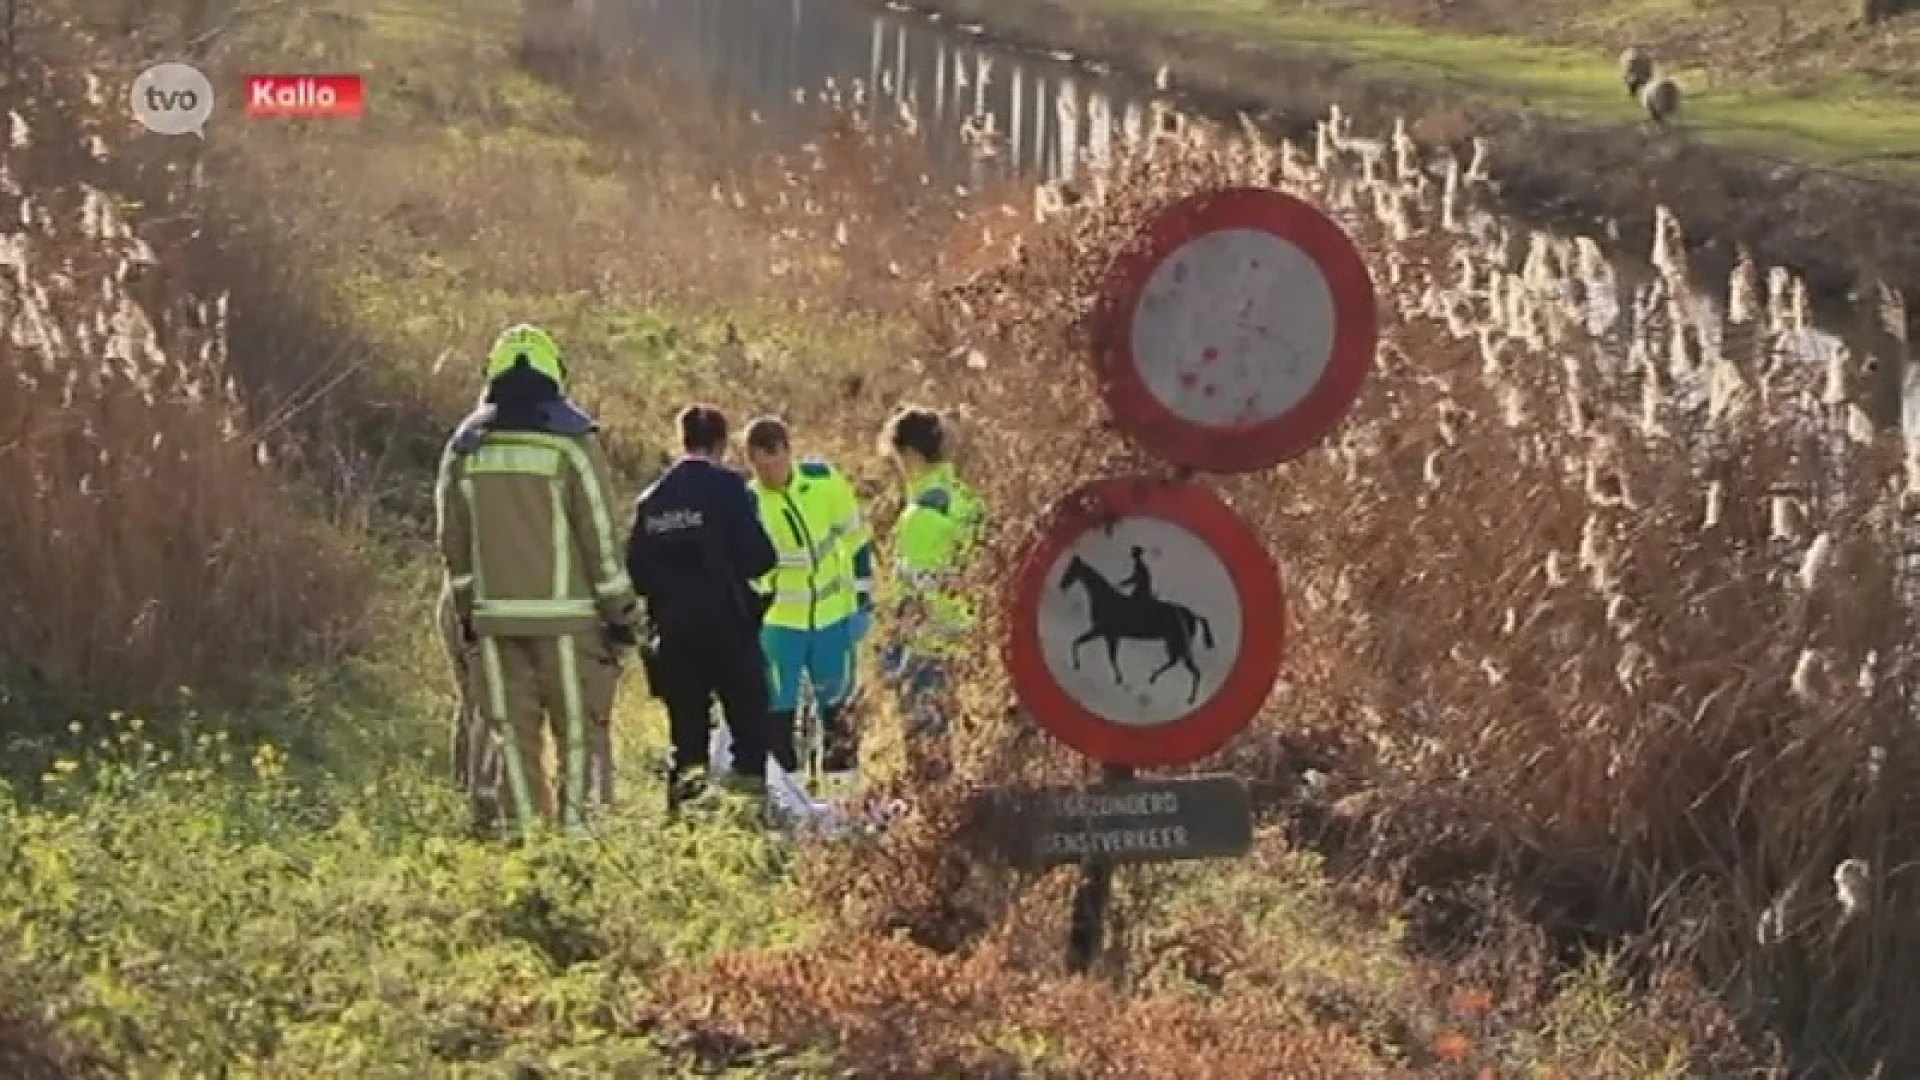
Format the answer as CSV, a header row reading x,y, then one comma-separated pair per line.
x,y
564,684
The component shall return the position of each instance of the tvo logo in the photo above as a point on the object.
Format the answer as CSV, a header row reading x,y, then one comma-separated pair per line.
x,y
172,99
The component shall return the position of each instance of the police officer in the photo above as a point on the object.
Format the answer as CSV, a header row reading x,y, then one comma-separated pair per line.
x,y
534,571
821,592
937,534
695,549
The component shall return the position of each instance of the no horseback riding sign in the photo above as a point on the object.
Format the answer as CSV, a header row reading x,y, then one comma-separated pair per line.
x,y
1147,625
1233,336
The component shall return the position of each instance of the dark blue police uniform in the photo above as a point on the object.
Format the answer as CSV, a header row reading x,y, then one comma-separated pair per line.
x,y
696,547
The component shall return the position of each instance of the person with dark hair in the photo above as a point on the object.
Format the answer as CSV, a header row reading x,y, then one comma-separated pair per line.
x,y
694,553
820,594
933,543
703,432
524,525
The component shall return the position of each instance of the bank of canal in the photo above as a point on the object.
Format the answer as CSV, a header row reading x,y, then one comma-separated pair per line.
x,y
1051,114
1834,227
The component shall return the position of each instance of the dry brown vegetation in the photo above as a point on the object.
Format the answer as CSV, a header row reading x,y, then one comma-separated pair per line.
x,y
148,538
1554,708
28,1052
1640,659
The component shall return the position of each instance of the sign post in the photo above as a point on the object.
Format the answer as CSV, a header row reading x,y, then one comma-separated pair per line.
x,y
1127,821
1147,624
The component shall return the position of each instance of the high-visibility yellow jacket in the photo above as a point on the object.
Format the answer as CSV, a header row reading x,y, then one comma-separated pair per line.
x,y
937,535
825,548
525,525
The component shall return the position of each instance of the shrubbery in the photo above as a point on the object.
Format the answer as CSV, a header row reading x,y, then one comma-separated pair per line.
x,y
146,538
1535,677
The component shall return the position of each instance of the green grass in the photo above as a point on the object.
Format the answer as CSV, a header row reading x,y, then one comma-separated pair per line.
x,y
482,196
200,907
192,902
1840,120
303,899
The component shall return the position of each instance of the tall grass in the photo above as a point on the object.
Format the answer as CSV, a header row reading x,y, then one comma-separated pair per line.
x,y
1639,752
1632,632
146,537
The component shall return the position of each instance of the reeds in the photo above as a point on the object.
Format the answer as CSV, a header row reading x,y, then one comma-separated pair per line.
x,y
1620,608
147,539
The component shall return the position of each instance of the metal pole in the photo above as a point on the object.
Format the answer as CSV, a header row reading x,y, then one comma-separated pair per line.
x,y
1087,930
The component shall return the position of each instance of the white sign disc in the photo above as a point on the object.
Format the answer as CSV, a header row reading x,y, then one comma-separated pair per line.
x,y
1234,328
1238,332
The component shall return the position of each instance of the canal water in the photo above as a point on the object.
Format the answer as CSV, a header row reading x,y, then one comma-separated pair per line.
x,y
774,57
1052,117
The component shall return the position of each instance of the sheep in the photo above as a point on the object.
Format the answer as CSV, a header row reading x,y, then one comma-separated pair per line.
x,y
1636,70
1875,12
1661,99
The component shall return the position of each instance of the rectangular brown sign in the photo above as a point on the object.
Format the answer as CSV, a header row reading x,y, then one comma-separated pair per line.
x,y
1198,817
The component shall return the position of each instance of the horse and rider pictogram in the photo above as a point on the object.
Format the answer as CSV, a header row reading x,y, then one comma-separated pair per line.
x,y
1137,614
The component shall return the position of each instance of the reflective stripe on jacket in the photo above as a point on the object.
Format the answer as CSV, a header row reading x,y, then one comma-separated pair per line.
x,y
525,527
824,548
937,535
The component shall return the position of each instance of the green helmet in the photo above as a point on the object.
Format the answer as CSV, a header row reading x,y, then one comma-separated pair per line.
x,y
532,344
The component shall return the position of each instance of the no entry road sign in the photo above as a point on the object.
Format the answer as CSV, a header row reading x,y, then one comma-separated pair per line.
x,y
1146,626
1195,817
1238,332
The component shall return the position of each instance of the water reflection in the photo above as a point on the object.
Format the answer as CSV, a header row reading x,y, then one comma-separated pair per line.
x,y
1050,116
993,115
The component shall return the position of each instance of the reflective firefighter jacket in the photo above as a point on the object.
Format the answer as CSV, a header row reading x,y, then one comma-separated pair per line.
x,y
938,533
525,527
825,568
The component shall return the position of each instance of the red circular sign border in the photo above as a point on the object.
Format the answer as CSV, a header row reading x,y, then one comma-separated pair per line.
x,y
1250,448
1256,579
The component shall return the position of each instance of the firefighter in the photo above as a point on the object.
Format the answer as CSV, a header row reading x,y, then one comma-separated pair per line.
x,y
937,533
695,550
526,529
820,594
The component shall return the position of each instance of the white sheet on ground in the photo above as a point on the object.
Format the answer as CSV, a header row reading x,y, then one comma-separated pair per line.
x,y
788,794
